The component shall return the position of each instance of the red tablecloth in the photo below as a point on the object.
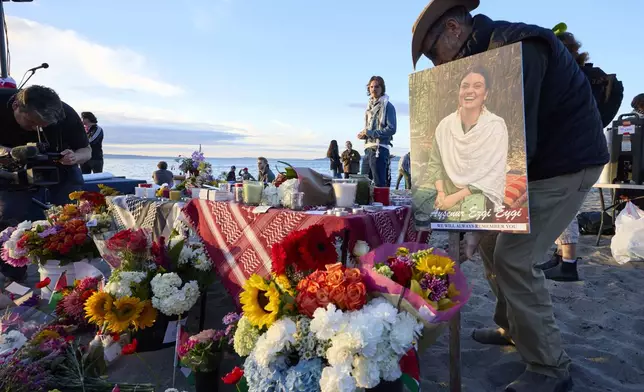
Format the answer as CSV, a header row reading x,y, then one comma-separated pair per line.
x,y
239,242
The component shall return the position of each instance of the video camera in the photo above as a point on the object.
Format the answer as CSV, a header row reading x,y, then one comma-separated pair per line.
x,y
28,166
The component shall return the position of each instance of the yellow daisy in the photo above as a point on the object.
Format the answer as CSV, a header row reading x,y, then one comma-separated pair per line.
x,y
76,195
124,312
147,317
435,264
97,306
44,336
260,301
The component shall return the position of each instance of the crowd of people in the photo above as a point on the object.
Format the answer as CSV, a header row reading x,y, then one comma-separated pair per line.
x,y
562,118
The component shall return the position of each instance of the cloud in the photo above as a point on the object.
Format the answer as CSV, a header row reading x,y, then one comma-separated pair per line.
x,y
402,108
78,63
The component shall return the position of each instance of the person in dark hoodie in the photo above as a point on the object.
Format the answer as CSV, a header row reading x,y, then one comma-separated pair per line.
x,y
95,136
561,119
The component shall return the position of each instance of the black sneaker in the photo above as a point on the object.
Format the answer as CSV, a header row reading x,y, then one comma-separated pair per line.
x,y
553,262
564,272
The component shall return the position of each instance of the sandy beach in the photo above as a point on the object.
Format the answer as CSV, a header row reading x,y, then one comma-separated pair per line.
x,y
601,319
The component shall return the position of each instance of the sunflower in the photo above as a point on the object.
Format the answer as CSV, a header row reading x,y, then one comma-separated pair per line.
x,y
147,317
124,312
260,301
435,264
97,307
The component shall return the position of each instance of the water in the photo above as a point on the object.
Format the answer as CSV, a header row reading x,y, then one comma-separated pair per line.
x,y
141,168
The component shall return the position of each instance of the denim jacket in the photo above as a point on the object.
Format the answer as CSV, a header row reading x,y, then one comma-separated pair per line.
x,y
385,134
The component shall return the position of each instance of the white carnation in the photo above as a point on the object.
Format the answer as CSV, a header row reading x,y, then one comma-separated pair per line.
x,y
389,364
336,379
279,338
366,372
407,330
343,347
327,322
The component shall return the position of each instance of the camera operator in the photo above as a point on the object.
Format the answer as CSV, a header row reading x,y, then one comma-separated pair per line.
x,y
37,115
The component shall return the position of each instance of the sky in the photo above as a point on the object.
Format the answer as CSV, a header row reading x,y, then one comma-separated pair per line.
x,y
274,78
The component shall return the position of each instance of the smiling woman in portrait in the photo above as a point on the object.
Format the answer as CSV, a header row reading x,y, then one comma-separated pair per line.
x,y
468,160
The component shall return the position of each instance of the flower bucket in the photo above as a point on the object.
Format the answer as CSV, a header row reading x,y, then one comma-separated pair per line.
x,y
434,321
53,270
151,338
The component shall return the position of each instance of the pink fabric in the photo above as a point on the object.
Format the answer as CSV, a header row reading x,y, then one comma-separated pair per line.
x,y
239,242
380,283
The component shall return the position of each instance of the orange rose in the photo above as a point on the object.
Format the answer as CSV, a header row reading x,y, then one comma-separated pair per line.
x,y
333,267
322,296
356,296
318,276
352,275
306,303
335,278
338,296
307,285
302,285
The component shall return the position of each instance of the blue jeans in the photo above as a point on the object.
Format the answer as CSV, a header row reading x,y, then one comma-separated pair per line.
x,y
376,168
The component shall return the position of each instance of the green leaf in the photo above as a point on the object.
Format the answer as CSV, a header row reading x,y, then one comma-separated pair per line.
x,y
175,251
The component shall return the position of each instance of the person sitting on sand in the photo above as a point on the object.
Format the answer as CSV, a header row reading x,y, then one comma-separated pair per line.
x,y
561,120
163,175
266,175
245,175
231,174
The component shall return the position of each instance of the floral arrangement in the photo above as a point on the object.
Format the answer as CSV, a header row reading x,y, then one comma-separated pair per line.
x,y
311,325
40,241
52,359
70,308
152,276
424,273
107,190
199,171
202,352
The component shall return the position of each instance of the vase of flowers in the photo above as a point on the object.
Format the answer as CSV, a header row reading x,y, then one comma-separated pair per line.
x,y
202,354
51,271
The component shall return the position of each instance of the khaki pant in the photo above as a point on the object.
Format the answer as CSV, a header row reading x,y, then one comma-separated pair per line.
x,y
523,307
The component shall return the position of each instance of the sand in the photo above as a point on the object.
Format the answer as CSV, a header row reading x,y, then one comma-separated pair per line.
x,y
601,319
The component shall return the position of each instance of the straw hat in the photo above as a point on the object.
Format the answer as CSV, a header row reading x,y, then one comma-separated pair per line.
x,y
434,10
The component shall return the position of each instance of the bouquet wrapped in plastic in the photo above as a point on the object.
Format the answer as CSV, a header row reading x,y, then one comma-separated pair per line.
x,y
419,279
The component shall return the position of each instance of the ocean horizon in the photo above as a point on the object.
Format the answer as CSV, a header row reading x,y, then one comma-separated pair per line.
x,y
142,167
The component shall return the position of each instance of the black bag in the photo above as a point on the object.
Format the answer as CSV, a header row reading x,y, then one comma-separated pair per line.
x,y
607,90
589,223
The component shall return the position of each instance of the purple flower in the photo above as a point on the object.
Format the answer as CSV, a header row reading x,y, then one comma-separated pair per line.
x,y
6,234
231,317
437,286
48,231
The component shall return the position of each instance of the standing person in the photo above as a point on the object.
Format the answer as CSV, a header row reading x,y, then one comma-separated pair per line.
x,y
561,119
378,132
95,136
333,153
265,175
231,174
36,114
350,160
404,170
163,175
562,266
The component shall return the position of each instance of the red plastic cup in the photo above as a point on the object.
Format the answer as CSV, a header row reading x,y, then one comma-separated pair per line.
x,y
166,193
381,195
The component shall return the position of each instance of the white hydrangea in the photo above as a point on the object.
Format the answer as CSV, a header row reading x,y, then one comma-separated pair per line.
x,y
169,298
327,322
122,284
407,330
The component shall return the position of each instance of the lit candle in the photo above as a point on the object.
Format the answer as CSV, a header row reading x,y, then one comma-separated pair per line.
x,y
345,193
175,195
253,192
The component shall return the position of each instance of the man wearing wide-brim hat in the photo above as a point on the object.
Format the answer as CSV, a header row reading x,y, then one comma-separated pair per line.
x,y
561,120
